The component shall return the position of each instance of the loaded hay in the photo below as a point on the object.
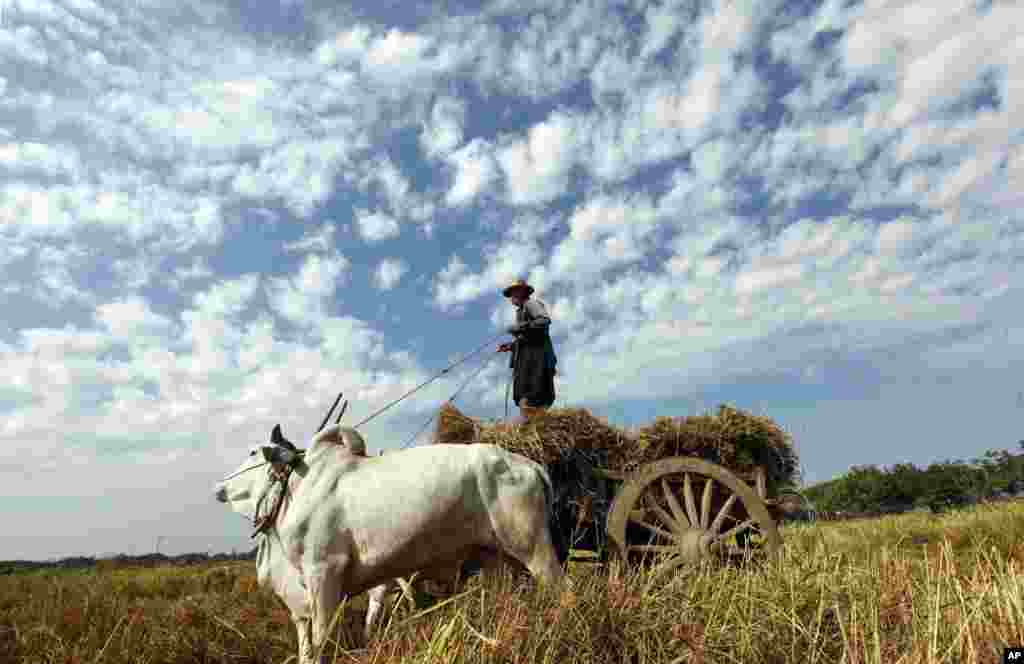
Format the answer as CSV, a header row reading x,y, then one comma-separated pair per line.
x,y
455,428
732,438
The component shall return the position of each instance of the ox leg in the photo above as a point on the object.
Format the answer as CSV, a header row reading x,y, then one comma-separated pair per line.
x,y
376,608
325,594
302,628
377,604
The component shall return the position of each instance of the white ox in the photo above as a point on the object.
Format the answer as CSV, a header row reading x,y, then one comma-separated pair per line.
x,y
351,523
350,440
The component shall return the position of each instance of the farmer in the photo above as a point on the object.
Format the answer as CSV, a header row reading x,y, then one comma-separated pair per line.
x,y
533,356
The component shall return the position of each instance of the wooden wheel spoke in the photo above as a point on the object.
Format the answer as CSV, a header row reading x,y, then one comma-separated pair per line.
x,y
653,528
691,504
723,513
705,503
667,519
735,529
673,504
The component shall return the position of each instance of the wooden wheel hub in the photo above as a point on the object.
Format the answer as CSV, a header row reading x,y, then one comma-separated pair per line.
x,y
694,545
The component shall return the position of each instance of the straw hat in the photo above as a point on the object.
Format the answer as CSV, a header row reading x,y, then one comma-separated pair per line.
x,y
518,284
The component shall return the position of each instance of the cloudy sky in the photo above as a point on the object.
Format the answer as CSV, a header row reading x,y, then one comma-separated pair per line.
x,y
214,216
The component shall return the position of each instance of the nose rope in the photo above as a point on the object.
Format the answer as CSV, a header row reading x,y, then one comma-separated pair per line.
x,y
261,523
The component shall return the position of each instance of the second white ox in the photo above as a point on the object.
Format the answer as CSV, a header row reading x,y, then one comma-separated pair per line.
x,y
350,523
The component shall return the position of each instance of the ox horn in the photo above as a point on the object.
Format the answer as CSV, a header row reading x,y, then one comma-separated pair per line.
x,y
328,417
344,406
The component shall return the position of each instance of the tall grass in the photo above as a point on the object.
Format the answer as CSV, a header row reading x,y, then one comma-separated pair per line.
x,y
908,589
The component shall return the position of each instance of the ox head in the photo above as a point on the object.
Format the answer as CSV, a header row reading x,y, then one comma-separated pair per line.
x,y
242,489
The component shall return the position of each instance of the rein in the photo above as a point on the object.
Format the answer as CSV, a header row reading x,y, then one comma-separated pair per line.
x,y
473,375
451,366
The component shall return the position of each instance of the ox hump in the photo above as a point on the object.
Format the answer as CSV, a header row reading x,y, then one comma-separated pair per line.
x,y
341,436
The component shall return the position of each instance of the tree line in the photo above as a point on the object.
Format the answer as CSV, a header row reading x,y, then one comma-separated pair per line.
x,y
122,560
939,486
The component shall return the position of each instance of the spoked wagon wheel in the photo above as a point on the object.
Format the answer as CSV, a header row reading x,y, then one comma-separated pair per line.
x,y
688,509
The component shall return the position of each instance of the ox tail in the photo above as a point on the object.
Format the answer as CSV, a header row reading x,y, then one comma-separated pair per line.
x,y
556,533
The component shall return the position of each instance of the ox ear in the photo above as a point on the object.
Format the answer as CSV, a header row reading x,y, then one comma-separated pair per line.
x,y
277,438
278,455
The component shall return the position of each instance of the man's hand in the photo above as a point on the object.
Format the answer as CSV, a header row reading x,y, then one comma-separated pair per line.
x,y
515,329
504,348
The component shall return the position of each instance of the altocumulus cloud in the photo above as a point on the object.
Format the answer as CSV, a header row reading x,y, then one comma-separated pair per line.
x,y
807,209
389,272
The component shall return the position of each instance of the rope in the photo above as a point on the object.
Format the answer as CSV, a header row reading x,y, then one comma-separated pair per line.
x,y
508,386
512,377
450,400
431,380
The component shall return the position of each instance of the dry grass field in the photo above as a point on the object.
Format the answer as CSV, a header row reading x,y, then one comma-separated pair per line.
x,y
912,588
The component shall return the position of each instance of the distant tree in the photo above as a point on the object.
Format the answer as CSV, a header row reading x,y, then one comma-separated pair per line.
x,y
899,488
940,486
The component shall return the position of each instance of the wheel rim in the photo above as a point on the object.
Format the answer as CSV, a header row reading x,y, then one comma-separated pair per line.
x,y
689,509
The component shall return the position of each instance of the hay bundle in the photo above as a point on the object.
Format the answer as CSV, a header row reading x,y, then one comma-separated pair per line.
x,y
453,427
551,434
732,438
545,438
